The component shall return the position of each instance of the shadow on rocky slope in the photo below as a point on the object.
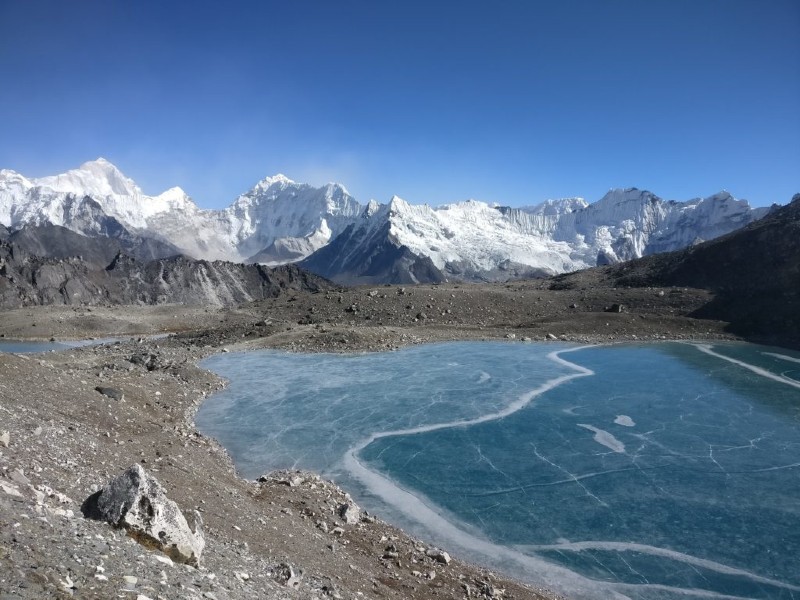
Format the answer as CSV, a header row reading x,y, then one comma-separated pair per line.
x,y
27,280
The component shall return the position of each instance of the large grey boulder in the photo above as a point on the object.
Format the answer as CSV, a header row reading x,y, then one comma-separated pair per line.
x,y
137,502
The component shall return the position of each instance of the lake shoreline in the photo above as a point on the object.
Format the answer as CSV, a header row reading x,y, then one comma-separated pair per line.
x,y
68,437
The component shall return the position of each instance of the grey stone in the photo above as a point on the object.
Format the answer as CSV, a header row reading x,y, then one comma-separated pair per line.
x,y
438,555
109,392
137,502
18,476
287,575
350,513
5,439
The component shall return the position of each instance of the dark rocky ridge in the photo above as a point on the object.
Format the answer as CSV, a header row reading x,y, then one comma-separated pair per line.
x,y
27,280
96,249
348,260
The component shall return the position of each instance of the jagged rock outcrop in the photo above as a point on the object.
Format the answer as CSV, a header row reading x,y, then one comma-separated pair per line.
x,y
53,241
137,502
27,280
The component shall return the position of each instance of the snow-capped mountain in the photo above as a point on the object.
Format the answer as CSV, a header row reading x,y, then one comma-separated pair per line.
x,y
473,240
280,221
275,222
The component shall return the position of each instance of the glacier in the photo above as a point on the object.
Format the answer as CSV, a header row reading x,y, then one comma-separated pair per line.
x,y
280,221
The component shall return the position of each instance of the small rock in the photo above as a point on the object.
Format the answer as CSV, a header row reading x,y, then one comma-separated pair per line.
x,y
510,336
5,439
67,583
488,589
137,502
287,575
550,336
438,555
10,490
350,513
283,478
18,476
109,392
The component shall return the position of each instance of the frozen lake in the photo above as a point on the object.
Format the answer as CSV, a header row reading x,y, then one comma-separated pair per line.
x,y
644,471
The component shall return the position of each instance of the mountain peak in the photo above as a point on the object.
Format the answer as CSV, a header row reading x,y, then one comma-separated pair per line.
x,y
101,167
99,162
278,178
97,178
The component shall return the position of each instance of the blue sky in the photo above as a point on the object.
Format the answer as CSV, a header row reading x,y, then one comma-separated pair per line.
x,y
509,102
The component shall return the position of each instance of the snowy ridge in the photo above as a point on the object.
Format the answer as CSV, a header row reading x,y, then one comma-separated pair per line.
x,y
471,237
280,221
48,200
298,218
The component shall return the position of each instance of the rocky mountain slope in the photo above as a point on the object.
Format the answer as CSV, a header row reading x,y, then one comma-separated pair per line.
x,y
27,280
280,221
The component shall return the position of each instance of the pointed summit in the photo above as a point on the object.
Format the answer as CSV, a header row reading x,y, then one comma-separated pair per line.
x,y
97,178
278,179
99,162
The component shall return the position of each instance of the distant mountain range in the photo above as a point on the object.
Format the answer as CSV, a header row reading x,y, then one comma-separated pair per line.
x,y
328,232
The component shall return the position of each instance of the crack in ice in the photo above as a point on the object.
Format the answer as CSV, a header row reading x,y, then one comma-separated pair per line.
x,y
782,356
574,478
664,553
708,349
